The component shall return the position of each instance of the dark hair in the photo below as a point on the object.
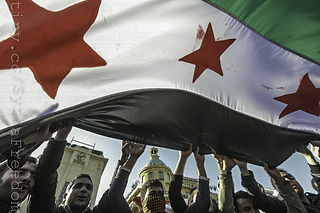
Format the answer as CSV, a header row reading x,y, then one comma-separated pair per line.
x,y
190,198
4,167
242,194
148,184
76,178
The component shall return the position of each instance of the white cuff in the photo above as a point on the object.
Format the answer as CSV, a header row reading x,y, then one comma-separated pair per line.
x,y
204,178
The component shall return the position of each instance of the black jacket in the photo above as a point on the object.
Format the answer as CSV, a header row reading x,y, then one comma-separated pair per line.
x,y
43,195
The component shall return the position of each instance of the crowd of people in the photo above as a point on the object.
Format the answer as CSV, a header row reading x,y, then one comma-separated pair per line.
x,y
36,182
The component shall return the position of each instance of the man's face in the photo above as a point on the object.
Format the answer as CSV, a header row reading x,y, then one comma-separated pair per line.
x,y
153,189
16,185
79,195
154,201
246,206
295,184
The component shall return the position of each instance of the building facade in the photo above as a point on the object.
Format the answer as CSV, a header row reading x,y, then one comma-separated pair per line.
x,y
157,169
76,160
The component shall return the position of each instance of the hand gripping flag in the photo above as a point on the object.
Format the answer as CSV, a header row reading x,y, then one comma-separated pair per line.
x,y
241,77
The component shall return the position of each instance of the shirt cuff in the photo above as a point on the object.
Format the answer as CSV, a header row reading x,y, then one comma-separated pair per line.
x,y
204,178
125,169
224,172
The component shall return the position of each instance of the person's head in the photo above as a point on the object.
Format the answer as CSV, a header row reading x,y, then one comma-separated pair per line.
x,y
15,185
78,193
152,196
289,177
243,203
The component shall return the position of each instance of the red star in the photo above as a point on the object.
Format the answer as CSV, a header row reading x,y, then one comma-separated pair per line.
x,y
306,98
208,55
50,43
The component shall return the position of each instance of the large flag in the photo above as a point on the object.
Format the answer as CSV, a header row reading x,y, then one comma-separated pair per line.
x,y
241,77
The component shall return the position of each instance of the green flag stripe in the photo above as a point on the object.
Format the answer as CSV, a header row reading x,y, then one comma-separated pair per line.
x,y
293,25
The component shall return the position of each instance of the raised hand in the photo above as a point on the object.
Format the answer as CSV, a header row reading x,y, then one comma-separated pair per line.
x,y
224,162
186,154
243,167
303,149
228,163
200,163
64,132
219,159
183,157
315,150
274,174
40,135
125,150
137,149
199,158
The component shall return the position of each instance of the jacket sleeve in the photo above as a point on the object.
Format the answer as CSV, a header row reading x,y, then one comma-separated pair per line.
x,y
104,204
263,201
178,204
291,198
43,195
117,202
225,199
202,203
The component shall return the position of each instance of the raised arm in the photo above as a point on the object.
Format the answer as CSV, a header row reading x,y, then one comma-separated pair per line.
x,y
177,202
202,202
263,201
9,150
311,160
117,188
125,152
43,195
226,186
291,198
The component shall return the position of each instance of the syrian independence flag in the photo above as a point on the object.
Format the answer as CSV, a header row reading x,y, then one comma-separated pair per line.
x,y
241,77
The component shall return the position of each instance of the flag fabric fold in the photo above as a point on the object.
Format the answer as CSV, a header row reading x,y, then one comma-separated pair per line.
x,y
175,119
166,73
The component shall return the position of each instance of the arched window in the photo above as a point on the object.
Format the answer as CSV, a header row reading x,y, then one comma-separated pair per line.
x,y
161,176
150,175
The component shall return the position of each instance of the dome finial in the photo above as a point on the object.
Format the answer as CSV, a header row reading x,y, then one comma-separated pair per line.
x,y
154,153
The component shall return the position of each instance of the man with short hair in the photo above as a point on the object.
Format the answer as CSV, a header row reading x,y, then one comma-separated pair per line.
x,y
264,202
16,179
291,201
79,191
244,203
15,185
78,194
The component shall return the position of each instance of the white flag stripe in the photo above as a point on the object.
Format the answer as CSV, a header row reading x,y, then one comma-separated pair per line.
x,y
142,43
